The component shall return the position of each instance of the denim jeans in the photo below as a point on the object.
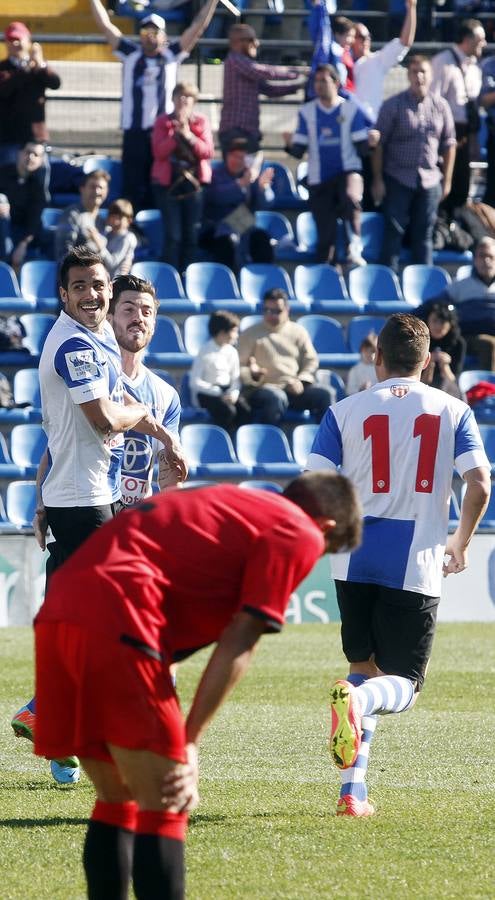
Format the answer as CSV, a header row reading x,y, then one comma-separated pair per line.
x,y
413,207
181,224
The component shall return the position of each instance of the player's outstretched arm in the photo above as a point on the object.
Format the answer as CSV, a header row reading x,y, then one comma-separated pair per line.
x,y
191,35
473,506
227,665
102,19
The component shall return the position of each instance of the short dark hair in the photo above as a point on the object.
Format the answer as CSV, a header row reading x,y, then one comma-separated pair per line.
x,y
121,207
332,496
404,341
131,283
466,28
80,256
330,70
222,321
276,294
342,25
417,58
445,312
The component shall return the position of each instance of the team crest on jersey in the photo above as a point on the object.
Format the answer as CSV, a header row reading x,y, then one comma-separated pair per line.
x,y
81,364
399,390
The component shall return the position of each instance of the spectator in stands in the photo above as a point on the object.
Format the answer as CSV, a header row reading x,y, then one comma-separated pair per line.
x,y
149,77
118,244
363,374
244,79
487,101
344,33
27,196
215,374
236,191
331,129
447,348
278,365
182,148
417,129
78,222
24,78
457,78
474,300
370,68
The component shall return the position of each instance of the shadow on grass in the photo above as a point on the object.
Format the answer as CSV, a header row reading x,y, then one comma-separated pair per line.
x,y
198,821
53,821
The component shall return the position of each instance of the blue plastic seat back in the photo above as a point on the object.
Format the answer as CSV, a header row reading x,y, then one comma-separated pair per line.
x,y
283,185
360,327
258,278
373,282
262,444
488,437
36,326
422,282
302,441
471,377
27,445
210,281
326,333
205,443
275,223
319,282
195,333
9,286
306,233
149,222
39,279
20,502
166,279
167,337
27,387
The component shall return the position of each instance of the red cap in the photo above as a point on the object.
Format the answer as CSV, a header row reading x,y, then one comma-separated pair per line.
x,y
17,31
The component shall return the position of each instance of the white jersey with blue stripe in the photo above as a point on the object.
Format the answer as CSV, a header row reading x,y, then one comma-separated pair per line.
x,y
147,83
399,442
329,136
77,366
140,450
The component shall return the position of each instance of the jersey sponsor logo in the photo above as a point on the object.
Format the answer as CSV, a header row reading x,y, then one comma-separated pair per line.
x,y
137,456
399,390
81,364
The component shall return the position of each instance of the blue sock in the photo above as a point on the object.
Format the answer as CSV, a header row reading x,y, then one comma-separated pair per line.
x,y
31,706
354,779
386,694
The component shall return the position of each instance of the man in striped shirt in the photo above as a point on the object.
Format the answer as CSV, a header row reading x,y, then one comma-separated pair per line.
x,y
149,77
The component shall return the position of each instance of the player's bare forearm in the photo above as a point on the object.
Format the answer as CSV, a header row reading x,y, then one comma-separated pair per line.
x,y
39,523
191,35
473,506
227,665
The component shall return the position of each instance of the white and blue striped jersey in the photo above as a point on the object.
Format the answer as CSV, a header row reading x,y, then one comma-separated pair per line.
x,y
140,450
399,442
77,366
147,82
329,135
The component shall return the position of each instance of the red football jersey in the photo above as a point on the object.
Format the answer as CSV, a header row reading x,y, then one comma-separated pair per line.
x,y
172,571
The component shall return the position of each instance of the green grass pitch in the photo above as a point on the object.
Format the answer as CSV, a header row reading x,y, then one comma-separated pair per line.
x,y
266,828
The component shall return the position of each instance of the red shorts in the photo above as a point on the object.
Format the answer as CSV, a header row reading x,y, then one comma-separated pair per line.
x,y
92,690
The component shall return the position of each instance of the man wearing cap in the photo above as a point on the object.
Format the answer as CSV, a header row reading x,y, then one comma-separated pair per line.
x,y
24,78
149,77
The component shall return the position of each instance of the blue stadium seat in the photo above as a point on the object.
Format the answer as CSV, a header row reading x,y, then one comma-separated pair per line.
x,y
463,272
488,437
50,216
8,469
212,286
26,389
36,326
167,347
422,282
20,503
360,327
471,377
301,183
114,169
11,300
65,179
27,445
189,412
283,186
376,288
257,484
210,452
247,321
257,278
302,441
168,286
328,340
149,223
195,333
281,233
265,449
306,233
371,235
322,289
39,284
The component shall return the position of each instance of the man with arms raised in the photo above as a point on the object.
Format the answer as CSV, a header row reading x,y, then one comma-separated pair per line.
x,y
398,442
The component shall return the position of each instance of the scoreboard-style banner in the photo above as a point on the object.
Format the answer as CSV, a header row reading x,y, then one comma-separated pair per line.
x,y
469,597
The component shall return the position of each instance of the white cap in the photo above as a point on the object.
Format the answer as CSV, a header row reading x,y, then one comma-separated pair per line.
x,y
155,20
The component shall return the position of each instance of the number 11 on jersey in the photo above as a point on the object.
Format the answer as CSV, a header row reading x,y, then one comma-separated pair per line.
x,y
426,427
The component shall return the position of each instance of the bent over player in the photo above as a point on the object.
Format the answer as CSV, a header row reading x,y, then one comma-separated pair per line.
x,y
398,442
175,573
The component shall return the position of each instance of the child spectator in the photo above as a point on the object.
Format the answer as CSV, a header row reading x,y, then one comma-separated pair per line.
x,y
118,245
215,382
363,375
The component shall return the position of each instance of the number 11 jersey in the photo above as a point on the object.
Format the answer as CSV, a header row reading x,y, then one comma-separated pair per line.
x,y
399,442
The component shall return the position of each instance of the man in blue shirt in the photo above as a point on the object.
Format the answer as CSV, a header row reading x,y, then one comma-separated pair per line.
x,y
331,130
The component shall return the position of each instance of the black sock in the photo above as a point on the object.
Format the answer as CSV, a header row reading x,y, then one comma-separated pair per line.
x,y
107,860
158,870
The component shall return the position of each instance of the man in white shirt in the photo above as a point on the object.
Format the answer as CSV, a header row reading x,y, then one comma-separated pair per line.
x,y
370,68
457,77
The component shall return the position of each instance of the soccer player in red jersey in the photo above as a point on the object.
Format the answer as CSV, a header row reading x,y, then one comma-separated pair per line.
x,y
175,573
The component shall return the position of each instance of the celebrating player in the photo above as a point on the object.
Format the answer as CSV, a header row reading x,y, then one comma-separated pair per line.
x,y
398,442
175,573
